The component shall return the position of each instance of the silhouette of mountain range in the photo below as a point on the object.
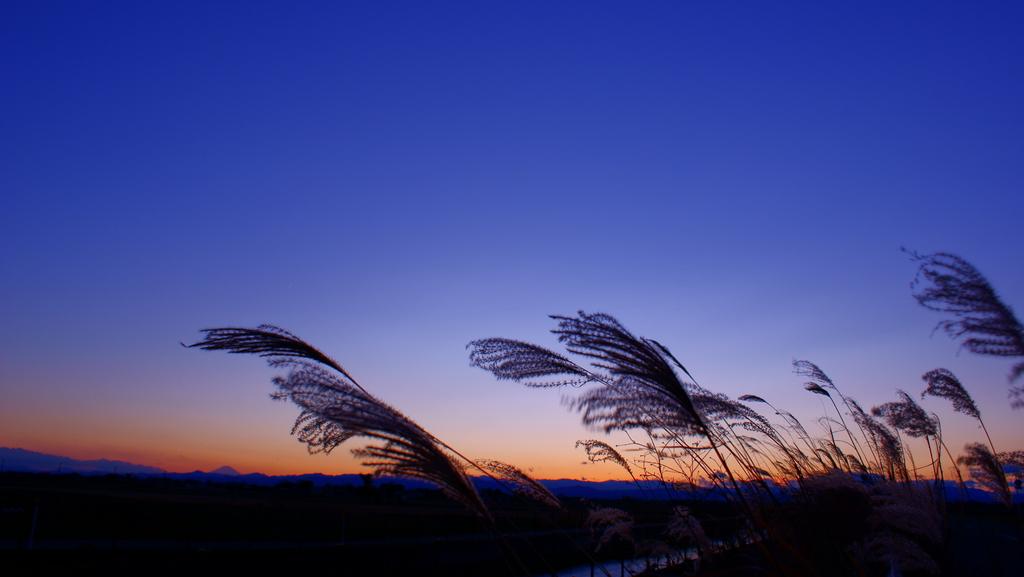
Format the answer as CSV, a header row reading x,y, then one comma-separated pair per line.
x,y
24,460
31,461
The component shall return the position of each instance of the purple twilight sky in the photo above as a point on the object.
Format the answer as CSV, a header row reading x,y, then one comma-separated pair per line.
x,y
392,180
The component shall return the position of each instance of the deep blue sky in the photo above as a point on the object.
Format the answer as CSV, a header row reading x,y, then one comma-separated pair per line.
x,y
391,181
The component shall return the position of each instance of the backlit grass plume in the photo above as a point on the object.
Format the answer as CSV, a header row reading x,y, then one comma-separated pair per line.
x,y
598,451
523,362
640,369
943,383
336,408
907,417
986,469
888,447
524,485
949,284
820,384
632,368
266,341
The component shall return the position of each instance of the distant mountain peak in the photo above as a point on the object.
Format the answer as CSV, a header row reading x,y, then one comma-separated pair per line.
x,y
25,460
225,470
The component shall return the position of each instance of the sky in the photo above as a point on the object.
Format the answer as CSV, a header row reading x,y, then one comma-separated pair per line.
x,y
390,181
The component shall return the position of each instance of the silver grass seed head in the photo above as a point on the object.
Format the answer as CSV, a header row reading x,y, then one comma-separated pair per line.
x,y
943,383
522,361
336,408
907,416
986,469
816,389
524,485
809,369
949,284
634,363
598,451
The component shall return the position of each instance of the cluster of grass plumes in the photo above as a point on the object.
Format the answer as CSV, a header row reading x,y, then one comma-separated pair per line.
x,y
640,392
335,408
850,500
866,525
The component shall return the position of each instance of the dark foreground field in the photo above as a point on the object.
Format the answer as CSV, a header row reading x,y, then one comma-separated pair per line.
x,y
120,523
117,523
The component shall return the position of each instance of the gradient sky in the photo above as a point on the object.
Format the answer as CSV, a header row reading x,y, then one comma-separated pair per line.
x,y
391,181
